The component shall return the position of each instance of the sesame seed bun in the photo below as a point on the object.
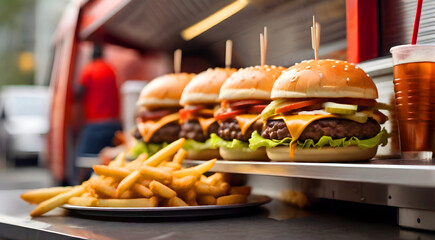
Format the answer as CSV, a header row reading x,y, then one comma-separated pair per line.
x,y
250,83
164,91
324,78
205,87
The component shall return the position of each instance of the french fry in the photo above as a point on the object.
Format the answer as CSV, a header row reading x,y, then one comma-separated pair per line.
x,y
180,156
137,163
203,178
142,190
243,190
39,195
214,179
190,197
161,190
110,171
232,199
165,153
176,202
171,165
86,195
103,190
135,202
83,201
183,184
57,201
196,170
146,182
297,198
223,189
167,169
164,162
206,200
203,188
127,194
119,161
154,173
109,181
127,182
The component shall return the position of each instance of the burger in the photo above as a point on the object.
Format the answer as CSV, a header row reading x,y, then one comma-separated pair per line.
x,y
200,101
322,111
243,97
158,118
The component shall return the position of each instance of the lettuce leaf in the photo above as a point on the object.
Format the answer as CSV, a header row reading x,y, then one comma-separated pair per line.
x,y
216,142
381,138
199,146
142,147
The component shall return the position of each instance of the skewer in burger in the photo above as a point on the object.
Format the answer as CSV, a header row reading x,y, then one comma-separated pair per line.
x,y
243,96
200,101
323,111
158,117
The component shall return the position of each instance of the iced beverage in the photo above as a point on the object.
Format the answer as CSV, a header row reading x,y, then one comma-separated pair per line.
x,y
414,85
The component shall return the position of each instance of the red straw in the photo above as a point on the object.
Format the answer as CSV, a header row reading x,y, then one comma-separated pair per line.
x,y
416,22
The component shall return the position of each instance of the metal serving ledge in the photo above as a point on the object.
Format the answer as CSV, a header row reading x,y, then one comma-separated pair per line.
x,y
416,173
408,185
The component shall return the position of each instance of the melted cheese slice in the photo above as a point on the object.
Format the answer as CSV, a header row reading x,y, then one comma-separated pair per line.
x,y
296,124
246,120
205,123
148,128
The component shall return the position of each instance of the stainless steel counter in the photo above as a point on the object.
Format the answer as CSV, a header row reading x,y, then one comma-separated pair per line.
x,y
325,220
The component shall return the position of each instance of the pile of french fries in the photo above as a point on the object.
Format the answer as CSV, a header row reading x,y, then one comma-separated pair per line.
x,y
157,181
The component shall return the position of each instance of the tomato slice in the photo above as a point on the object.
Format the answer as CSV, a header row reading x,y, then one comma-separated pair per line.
x,y
356,101
152,115
257,108
205,112
227,115
187,113
246,103
301,104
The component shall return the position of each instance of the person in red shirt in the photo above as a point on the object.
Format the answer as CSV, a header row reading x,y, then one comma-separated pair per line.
x,y
99,94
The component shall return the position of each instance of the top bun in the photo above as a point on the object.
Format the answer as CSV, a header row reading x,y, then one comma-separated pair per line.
x,y
205,87
250,83
164,91
324,78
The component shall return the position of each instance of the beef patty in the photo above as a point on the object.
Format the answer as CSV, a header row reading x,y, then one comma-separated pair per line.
x,y
167,133
230,129
333,127
191,129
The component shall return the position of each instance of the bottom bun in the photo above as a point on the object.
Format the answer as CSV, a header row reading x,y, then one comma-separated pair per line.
x,y
325,154
206,154
243,155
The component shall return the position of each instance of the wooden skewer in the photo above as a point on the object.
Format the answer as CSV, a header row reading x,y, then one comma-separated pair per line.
x,y
315,38
318,34
228,52
177,60
265,39
262,53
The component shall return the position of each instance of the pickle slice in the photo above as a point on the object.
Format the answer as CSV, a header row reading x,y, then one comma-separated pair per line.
x,y
357,117
269,111
339,108
384,106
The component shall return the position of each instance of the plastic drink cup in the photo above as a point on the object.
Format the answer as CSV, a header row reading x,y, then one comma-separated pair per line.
x,y
414,86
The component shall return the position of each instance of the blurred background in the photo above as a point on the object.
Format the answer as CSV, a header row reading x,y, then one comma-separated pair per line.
x,y
26,47
46,44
